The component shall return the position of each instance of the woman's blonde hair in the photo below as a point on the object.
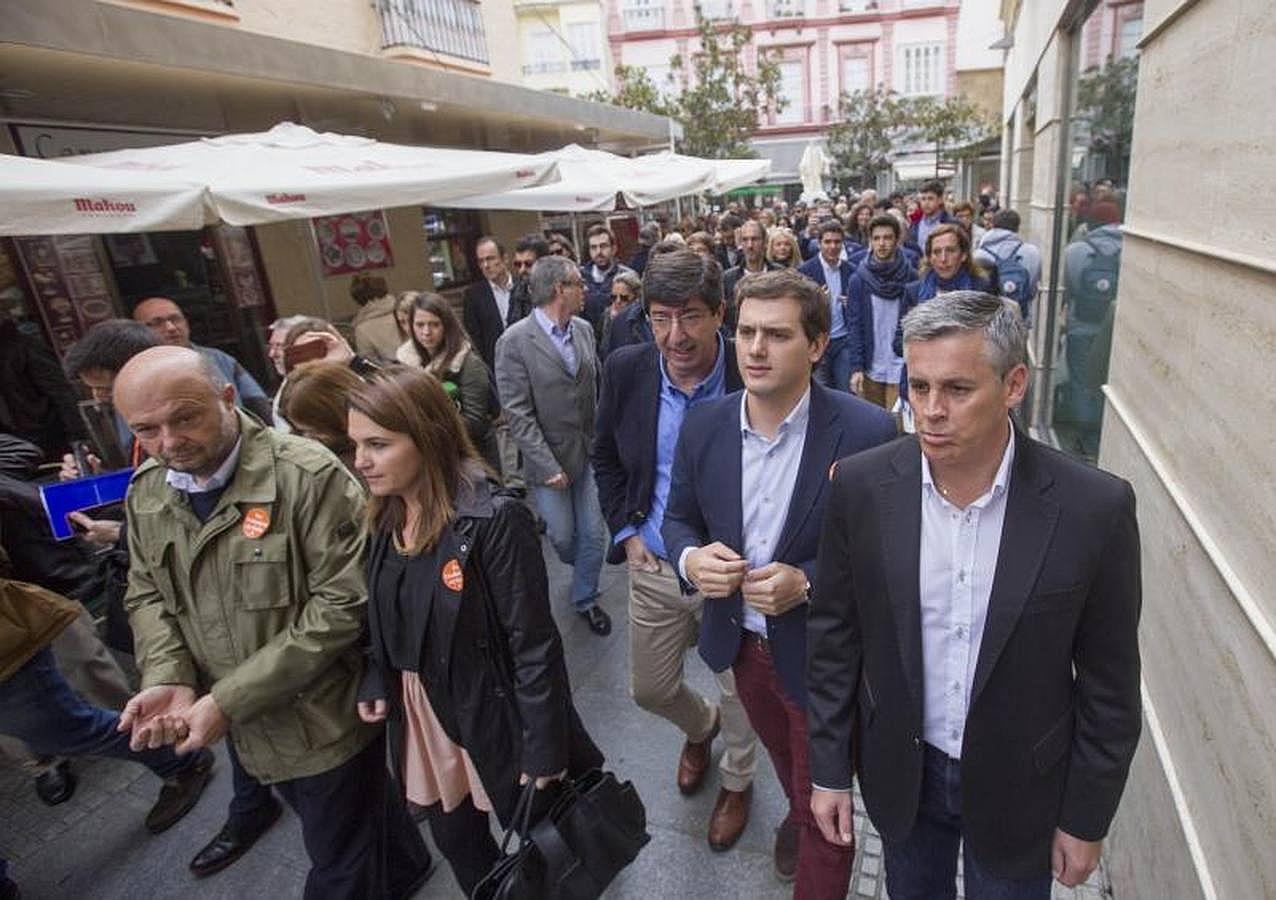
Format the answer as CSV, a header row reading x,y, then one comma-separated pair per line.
x,y
786,235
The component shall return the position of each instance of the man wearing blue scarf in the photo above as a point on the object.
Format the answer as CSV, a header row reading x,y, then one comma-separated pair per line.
x,y
874,310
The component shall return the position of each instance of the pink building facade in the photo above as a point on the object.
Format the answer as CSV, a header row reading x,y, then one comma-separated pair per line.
x,y
823,47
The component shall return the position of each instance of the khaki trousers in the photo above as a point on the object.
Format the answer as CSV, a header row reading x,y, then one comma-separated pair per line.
x,y
663,624
884,395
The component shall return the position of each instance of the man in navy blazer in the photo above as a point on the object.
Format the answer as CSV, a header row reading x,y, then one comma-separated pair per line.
x,y
749,482
829,270
647,391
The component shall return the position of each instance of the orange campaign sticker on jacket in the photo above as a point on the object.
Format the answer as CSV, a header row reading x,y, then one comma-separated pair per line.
x,y
452,576
256,522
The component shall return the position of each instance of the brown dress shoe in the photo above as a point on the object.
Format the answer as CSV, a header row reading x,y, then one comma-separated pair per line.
x,y
694,761
786,851
730,815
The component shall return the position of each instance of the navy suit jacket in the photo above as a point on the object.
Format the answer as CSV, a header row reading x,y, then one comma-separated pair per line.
x,y
625,433
705,505
813,269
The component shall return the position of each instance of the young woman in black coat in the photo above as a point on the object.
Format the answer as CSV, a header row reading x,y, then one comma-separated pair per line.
x,y
466,663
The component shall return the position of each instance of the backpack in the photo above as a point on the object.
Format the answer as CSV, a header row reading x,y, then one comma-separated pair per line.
x,y
1097,285
1013,280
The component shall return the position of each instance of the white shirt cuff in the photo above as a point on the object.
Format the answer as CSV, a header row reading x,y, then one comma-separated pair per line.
x,y
682,563
820,787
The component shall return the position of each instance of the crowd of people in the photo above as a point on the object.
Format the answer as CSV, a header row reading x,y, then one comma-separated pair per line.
x,y
345,579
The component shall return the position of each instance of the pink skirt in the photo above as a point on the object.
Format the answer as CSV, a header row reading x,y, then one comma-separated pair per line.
x,y
434,768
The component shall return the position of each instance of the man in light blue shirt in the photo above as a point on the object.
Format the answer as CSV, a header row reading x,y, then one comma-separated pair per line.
x,y
546,373
828,268
649,388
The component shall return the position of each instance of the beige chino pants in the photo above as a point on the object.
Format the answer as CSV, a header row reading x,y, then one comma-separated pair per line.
x,y
663,624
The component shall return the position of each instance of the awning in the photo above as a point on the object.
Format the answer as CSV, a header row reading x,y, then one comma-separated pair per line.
x,y
293,172
594,181
39,196
915,168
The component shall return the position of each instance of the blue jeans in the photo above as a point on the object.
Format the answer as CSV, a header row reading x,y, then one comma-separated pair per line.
x,y
924,865
574,523
834,370
39,707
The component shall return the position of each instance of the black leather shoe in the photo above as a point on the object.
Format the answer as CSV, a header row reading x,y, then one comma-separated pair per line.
x,y
180,793
232,842
56,784
598,620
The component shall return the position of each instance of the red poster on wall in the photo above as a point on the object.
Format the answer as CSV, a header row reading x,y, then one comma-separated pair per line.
x,y
70,287
353,242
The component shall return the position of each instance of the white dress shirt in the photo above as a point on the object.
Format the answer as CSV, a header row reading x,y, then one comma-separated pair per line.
x,y
502,297
768,475
959,549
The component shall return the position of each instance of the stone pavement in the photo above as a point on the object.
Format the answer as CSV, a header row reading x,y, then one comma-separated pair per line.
x,y
96,846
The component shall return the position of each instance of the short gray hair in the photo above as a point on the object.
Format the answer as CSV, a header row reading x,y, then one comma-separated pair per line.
x,y
1005,334
631,281
548,272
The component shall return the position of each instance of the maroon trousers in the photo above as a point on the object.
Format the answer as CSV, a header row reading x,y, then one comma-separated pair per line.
x,y
824,869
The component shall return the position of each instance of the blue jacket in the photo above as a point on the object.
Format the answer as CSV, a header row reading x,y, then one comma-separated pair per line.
x,y
625,434
705,506
859,320
912,241
813,269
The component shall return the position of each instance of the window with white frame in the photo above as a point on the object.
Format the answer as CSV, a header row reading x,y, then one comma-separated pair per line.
x,y
920,69
1128,37
856,73
716,9
793,90
584,40
544,53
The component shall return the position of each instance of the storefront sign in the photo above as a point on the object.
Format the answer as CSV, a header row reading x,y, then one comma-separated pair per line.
x,y
52,141
70,287
353,242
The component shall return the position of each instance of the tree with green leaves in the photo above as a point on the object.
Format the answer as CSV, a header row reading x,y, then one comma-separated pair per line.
x,y
713,96
948,124
860,143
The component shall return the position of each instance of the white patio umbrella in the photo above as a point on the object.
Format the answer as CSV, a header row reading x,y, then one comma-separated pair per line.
x,y
728,174
293,172
594,180
42,196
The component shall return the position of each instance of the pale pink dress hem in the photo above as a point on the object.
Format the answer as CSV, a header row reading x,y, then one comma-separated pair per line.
x,y
434,768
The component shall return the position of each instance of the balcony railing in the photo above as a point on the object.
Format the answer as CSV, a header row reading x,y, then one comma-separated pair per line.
x,y
454,27
787,9
644,18
714,10
856,6
586,65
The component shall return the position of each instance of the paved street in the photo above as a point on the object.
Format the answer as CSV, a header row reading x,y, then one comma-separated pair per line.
x,y
95,846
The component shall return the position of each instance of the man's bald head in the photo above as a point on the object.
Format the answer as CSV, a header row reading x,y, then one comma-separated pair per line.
x,y
180,407
165,319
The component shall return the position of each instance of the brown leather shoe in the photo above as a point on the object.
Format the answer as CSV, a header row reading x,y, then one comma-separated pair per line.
x,y
786,851
730,815
694,761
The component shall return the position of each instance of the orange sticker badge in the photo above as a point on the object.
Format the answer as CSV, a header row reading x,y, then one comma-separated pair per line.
x,y
256,522
452,576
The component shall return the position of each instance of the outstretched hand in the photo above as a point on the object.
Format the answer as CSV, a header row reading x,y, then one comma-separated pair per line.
x,y
157,716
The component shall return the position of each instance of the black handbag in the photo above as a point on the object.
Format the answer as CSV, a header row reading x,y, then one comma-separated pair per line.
x,y
592,830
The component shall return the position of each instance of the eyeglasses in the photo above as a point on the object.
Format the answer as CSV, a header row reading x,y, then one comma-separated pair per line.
x,y
688,320
623,298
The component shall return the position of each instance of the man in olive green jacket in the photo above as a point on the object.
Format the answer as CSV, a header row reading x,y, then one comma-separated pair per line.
x,y
246,589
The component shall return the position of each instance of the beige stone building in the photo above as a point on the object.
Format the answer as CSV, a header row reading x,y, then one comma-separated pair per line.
x,y
79,76
1153,346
